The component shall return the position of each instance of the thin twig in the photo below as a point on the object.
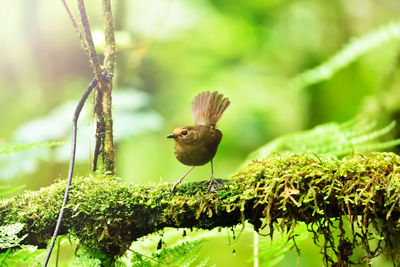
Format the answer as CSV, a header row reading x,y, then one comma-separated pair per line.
x,y
78,109
103,84
76,27
89,40
99,129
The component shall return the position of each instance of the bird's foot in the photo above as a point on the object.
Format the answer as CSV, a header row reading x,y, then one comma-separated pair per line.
x,y
180,179
175,185
213,185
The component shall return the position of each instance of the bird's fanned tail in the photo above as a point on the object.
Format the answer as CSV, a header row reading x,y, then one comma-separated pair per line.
x,y
207,108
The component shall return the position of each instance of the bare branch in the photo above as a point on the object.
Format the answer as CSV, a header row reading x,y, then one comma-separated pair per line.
x,y
78,109
109,52
76,27
89,40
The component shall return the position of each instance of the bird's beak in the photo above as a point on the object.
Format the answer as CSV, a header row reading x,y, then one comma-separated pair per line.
x,y
172,136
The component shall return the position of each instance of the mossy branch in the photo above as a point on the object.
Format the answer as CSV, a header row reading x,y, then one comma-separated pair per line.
x,y
109,62
107,215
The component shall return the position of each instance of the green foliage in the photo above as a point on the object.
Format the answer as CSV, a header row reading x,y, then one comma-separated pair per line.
x,y
8,149
353,50
335,139
87,259
132,116
352,189
273,251
26,255
16,252
93,258
7,189
9,235
13,163
172,54
185,254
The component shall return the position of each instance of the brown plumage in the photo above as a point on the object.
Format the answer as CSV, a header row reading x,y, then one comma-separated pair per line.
x,y
207,108
196,145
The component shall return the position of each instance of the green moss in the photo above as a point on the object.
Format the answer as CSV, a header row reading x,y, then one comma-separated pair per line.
x,y
107,215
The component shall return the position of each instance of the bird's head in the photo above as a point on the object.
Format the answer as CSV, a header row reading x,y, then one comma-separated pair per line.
x,y
182,134
195,135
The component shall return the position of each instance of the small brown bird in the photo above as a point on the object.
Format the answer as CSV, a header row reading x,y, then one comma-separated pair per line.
x,y
196,145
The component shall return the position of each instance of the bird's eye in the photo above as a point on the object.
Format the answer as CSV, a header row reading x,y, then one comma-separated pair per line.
x,y
184,133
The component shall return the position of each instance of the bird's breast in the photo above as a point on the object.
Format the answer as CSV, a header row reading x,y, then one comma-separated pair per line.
x,y
201,148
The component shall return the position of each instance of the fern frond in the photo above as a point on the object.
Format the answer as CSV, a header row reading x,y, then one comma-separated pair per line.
x,y
273,251
17,253
349,53
180,255
86,256
9,235
185,254
365,137
85,259
379,146
6,190
336,139
8,149
24,256
203,263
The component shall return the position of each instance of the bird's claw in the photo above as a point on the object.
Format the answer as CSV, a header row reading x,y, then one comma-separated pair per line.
x,y
212,185
175,185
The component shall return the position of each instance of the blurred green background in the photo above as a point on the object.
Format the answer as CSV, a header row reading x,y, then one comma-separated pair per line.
x,y
170,50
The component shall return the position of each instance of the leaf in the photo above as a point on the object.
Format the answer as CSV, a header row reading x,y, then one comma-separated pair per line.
x,y
9,235
184,254
335,139
273,251
6,190
349,53
8,149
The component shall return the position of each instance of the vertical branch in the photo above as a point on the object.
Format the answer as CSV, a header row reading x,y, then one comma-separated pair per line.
x,y
78,110
109,54
98,109
76,27
88,35
104,131
109,62
103,84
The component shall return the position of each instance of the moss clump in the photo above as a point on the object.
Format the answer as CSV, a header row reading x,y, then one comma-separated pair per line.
x,y
107,215
323,192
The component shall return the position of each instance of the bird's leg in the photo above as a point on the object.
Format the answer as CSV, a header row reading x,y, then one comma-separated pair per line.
x,y
212,179
180,179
